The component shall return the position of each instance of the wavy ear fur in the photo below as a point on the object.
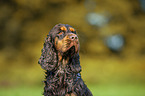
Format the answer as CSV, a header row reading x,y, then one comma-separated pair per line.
x,y
48,59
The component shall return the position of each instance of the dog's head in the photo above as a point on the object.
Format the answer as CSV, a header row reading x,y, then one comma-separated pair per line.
x,y
63,40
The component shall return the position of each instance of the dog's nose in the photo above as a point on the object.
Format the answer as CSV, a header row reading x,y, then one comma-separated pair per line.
x,y
73,37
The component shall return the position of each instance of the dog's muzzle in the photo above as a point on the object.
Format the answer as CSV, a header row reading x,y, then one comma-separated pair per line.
x,y
69,41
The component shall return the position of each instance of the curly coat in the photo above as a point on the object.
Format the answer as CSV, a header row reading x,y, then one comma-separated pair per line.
x,y
60,59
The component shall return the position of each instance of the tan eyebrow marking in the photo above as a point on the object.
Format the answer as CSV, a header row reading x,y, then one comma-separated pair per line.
x,y
71,29
63,28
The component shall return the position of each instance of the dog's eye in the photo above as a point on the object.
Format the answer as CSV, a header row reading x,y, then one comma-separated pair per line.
x,y
60,33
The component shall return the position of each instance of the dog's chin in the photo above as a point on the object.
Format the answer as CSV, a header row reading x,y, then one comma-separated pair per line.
x,y
70,52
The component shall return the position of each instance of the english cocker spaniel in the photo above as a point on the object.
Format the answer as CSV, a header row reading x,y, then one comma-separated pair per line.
x,y
60,59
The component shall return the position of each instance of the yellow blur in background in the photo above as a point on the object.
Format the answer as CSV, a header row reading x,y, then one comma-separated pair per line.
x,y
112,39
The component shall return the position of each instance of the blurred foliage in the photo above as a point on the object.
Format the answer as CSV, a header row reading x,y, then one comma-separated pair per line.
x,y
24,25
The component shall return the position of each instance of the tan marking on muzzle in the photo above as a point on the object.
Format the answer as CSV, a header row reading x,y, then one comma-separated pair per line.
x,y
67,42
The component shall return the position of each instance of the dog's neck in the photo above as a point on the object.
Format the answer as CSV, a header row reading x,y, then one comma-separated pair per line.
x,y
63,59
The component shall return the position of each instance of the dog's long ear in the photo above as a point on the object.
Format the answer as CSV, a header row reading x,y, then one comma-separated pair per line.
x,y
48,59
75,64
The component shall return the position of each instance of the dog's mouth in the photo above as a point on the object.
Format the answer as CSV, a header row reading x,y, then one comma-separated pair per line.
x,y
70,52
71,46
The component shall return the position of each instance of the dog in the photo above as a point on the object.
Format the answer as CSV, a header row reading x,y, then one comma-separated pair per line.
x,y
60,59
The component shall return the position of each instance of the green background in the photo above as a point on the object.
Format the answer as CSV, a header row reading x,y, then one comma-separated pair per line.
x,y
24,25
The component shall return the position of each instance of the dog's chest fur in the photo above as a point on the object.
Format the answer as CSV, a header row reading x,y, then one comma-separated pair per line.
x,y
62,80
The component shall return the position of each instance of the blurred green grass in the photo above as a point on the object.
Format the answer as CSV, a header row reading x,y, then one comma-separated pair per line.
x,y
118,90
103,78
97,90
22,91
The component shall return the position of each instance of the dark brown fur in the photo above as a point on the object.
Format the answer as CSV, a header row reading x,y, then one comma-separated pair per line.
x,y
60,59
